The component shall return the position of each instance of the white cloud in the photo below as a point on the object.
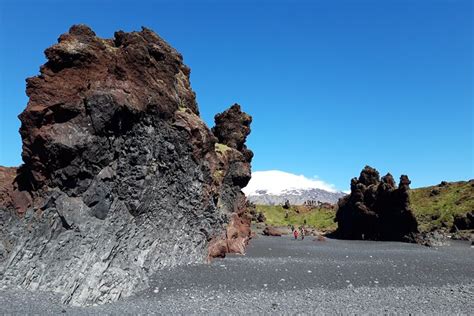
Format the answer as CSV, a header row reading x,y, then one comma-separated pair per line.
x,y
276,181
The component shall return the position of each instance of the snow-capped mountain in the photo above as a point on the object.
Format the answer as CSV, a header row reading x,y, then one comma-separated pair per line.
x,y
274,187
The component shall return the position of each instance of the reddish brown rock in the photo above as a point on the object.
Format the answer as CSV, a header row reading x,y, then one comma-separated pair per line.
x,y
217,248
319,238
271,231
10,196
7,177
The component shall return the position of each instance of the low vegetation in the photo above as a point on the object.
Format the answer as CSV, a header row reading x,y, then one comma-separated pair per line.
x,y
434,208
319,218
221,148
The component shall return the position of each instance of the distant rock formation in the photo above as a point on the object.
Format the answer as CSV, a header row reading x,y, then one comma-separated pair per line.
x,y
376,209
121,177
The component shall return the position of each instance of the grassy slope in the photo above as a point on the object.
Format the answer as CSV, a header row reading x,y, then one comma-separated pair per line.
x,y
438,210
431,211
317,217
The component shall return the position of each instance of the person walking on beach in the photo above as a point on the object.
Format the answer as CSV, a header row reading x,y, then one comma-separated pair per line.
x,y
295,233
302,230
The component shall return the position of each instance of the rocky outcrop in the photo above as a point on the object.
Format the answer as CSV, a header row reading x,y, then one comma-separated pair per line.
x,y
232,171
232,128
121,177
376,209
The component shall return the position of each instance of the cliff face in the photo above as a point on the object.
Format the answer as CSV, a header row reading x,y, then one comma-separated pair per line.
x,y
376,209
121,177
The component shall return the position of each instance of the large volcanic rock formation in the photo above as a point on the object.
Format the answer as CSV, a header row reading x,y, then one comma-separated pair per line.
x,y
376,209
121,177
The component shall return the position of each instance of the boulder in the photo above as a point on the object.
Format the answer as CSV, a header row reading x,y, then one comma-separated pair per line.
x,y
431,239
463,221
319,237
271,231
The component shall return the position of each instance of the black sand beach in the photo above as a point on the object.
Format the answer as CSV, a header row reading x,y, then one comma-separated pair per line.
x,y
280,275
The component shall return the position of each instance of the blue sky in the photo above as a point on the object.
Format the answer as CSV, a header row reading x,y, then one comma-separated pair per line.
x,y
331,85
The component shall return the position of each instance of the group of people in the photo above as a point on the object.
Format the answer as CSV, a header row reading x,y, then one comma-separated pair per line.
x,y
298,232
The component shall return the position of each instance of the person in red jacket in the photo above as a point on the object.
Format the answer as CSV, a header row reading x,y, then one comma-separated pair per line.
x,y
295,233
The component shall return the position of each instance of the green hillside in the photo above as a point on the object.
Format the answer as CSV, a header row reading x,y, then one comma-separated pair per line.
x,y
435,206
320,218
